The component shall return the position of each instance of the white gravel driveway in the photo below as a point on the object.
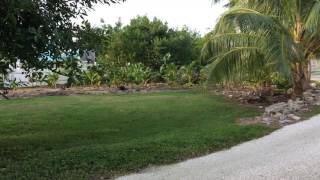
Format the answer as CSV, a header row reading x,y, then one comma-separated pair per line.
x,y
291,153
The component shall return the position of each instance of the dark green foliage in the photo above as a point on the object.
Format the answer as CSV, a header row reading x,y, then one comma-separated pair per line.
x,y
72,70
139,41
148,41
90,137
183,45
144,51
34,31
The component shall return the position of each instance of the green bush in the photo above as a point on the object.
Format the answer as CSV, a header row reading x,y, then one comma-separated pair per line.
x,y
137,73
116,74
52,80
187,74
169,73
280,81
71,68
91,78
156,77
204,74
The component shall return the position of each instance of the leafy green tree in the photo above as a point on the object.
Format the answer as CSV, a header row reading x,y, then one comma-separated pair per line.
x,y
138,40
35,31
148,41
278,35
183,45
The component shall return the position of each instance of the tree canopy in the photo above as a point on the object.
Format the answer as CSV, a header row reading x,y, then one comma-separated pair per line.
x,y
149,41
35,31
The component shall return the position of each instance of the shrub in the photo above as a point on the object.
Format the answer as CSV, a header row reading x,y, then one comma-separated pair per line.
x,y
117,74
280,81
169,73
204,74
155,76
52,80
72,70
137,73
187,74
91,78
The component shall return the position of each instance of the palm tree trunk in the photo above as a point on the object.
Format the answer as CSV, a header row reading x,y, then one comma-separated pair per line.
x,y
301,79
307,74
298,87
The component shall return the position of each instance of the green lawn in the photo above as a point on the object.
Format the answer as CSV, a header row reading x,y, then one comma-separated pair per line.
x,y
89,137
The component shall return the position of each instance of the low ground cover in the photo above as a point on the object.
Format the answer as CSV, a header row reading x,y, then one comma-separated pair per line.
x,y
84,137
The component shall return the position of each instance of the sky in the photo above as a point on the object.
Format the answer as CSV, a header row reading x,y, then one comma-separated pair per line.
x,y
199,15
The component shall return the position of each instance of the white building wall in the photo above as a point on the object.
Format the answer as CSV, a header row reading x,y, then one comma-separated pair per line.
x,y
19,75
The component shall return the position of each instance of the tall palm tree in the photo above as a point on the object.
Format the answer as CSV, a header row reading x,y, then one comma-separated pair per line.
x,y
278,35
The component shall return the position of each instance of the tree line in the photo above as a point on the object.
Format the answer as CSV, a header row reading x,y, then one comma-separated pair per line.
x,y
144,51
263,43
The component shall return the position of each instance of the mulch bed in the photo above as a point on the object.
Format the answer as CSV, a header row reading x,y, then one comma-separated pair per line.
x,y
62,91
246,96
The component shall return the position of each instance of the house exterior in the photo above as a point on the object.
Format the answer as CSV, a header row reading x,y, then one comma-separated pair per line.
x,y
19,75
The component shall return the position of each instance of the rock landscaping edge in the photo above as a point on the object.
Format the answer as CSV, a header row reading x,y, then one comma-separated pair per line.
x,y
289,112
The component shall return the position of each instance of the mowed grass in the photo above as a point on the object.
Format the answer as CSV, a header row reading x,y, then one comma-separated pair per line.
x,y
96,137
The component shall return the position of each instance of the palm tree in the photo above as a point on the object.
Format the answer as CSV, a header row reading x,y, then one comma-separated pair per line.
x,y
278,35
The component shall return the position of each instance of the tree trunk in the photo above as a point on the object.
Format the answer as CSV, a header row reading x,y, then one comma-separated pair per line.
x,y
301,79
298,87
307,75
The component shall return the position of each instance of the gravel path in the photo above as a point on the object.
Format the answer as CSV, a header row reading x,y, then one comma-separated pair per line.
x,y
291,153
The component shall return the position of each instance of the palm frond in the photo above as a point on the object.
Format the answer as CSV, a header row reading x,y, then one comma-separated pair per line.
x,y
257,37
313,20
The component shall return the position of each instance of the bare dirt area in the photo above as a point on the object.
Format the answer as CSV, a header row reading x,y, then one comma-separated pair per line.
x,y
62,91
248,96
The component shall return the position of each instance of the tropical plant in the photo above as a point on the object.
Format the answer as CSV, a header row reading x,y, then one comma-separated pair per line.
x,y
204,74
72,70
187,73
279,35
52,80
137,73
281,82
91,78
169,72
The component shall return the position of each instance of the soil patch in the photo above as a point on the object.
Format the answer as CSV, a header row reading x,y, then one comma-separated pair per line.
x,y
62,91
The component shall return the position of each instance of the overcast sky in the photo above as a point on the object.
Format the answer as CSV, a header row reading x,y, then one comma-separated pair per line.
x,y
199,15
